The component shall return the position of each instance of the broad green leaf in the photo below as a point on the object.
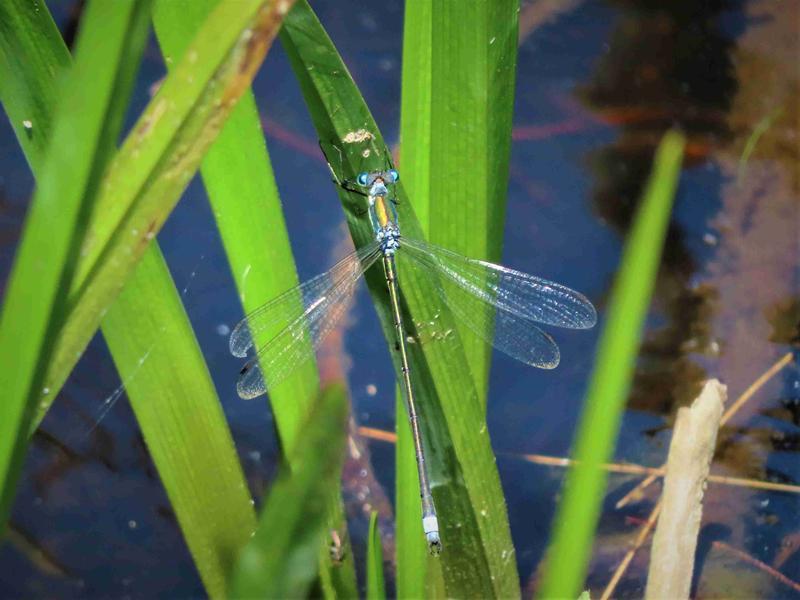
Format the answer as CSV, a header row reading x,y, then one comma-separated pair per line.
x,y
108,49
478,557
244,198
376,588
282,558
157,160
150,339
584,488
455,138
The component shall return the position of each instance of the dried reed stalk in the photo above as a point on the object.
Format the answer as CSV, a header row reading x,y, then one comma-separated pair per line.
x,y
689,460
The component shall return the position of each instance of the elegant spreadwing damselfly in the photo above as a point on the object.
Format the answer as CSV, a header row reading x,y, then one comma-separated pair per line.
x,y
301,318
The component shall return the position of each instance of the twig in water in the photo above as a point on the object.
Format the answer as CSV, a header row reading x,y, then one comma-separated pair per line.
x,y
627,468
758,564
755,386
637,543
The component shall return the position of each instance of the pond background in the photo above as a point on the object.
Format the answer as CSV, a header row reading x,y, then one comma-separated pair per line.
x,y
597,85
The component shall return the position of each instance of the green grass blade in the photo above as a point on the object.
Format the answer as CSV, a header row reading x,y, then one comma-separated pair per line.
x,y
32,58
238,177
157,160
170,391
181,419
478,554
458,87
376,588
244,198
578,512
109,41
416,106
282,558
417,575
456,129
760,129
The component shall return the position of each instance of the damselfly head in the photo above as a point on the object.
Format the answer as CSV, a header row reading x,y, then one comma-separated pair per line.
x,y
367,179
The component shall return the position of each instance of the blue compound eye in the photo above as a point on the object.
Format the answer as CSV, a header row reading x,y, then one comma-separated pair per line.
x,y
362,178
395,175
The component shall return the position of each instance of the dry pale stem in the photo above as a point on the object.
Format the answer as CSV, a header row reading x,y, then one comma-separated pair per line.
x,y
688,463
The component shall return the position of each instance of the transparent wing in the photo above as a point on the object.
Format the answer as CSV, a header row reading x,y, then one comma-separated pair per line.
x,y
301,319
286,307
510,333
515,292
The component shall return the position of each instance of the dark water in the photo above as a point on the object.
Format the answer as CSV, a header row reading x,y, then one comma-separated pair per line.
x,y
597,85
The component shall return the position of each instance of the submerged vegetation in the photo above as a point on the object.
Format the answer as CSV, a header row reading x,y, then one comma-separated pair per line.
x,y
88,259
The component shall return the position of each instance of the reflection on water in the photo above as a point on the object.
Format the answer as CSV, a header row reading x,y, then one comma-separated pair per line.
x,y
727,310
664,68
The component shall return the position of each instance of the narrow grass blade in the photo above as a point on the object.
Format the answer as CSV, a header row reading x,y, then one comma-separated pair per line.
x,y
416,107
417,575
157,160
32,59
152,344
108,47
760,129
456,129
282,558
579,510
175,403
244,198
376,588
238,177
478,557
455,138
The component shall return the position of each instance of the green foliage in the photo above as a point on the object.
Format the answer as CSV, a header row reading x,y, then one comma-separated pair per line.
x,y
478,554
376,588
458,95
180,416
577,516
87,120
760,129
155,351
32,58
281,559
238,177
146,177
89,235
455,141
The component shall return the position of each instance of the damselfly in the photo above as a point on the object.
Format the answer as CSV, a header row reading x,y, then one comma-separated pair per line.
x,y
303,316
